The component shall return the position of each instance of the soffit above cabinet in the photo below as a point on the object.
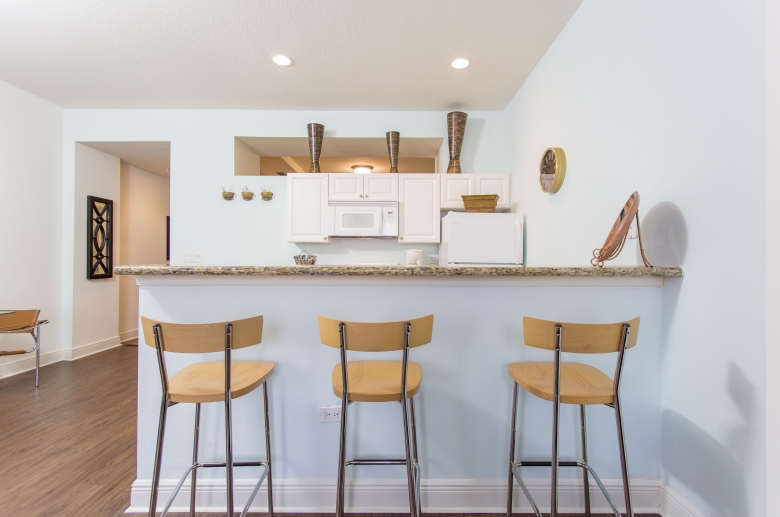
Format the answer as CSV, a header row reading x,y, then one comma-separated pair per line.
x,y
291,154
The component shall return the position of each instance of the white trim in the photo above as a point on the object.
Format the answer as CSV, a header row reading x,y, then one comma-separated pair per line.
x,y
674,505
27,362
129,334
404,281
91,348
391,496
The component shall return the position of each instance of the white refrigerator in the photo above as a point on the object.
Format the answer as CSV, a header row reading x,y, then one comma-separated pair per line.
x,y
469,239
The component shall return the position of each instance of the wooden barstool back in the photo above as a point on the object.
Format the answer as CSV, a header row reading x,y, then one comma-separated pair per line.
x,y
378,381
376,337
571,383
209,382
579,338
23,322
198,338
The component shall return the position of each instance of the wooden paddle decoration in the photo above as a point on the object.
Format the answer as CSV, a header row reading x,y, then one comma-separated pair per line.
x,y
617,236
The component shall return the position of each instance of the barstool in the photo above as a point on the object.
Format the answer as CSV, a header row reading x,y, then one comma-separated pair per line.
x,y
24,322
219,381
378,381
572,383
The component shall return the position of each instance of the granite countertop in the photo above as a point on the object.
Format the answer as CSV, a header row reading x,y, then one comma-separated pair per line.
x,y
404,271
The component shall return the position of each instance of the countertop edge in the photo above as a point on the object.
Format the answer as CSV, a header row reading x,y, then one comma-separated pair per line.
x,y
401,271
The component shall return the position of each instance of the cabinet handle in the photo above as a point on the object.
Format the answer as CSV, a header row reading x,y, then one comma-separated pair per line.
x,y
361,195
366,195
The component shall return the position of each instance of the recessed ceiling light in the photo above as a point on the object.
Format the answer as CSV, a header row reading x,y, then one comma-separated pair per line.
x,y
281,60
362,169
460,63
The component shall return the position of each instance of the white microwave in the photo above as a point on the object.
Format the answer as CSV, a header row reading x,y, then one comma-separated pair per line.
x,y
363,219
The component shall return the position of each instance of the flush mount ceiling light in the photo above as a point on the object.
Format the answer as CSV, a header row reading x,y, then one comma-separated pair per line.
x,y
362,169
281,60
460,63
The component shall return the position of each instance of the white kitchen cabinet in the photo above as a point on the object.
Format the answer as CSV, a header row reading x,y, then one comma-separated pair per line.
x,y
307,207
380,187
360,187
345,187
453,186
419,208
494,184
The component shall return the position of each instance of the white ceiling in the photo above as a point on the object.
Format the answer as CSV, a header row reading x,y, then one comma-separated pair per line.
x,y
154,157
348,54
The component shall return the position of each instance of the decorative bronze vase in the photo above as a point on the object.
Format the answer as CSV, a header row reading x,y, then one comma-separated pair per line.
x,y
393,141
456,125
316,131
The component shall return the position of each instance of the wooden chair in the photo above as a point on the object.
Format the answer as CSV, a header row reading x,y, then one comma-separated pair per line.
x,y
572,383
24,322
198,383
378,381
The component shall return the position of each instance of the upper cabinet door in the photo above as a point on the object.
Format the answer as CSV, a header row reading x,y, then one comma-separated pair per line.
x,y
453,186
345,187
380,187
494,184
419,207
307,207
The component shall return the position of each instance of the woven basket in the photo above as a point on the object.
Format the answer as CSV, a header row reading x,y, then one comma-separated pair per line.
x,y
482,204
305,259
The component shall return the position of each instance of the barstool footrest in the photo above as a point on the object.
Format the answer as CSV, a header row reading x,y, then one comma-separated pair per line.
x,y
375,462
516,472
549,464
223,465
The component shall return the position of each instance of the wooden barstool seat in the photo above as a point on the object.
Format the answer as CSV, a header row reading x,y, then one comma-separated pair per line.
x,y
571,383
205,382
580,383
377,381
215,381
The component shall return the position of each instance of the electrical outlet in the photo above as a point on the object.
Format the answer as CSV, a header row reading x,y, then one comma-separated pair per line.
x,y
192,256
330,414
632,234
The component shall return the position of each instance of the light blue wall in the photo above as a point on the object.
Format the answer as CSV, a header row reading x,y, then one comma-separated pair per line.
x,y
667,98
254,233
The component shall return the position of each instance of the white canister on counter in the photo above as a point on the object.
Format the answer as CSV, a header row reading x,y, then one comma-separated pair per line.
x,y
413,257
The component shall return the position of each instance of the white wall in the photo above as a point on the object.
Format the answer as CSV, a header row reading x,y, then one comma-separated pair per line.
x,y
253,233
95,303
772,250
667,98
145,202
30,210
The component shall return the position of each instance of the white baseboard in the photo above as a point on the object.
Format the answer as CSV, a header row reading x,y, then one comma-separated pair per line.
x,y
674,505
91,348
391,496
130,334
27,362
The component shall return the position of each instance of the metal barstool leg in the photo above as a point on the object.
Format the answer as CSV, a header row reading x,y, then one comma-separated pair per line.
x,y
229,452
158,457
513,432
37,354
268,452
194,482
409,468
342,458
623,458
417,473
585,485
556,416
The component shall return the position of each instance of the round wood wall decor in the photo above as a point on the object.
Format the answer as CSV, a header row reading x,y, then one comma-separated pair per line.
x,y
552,170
